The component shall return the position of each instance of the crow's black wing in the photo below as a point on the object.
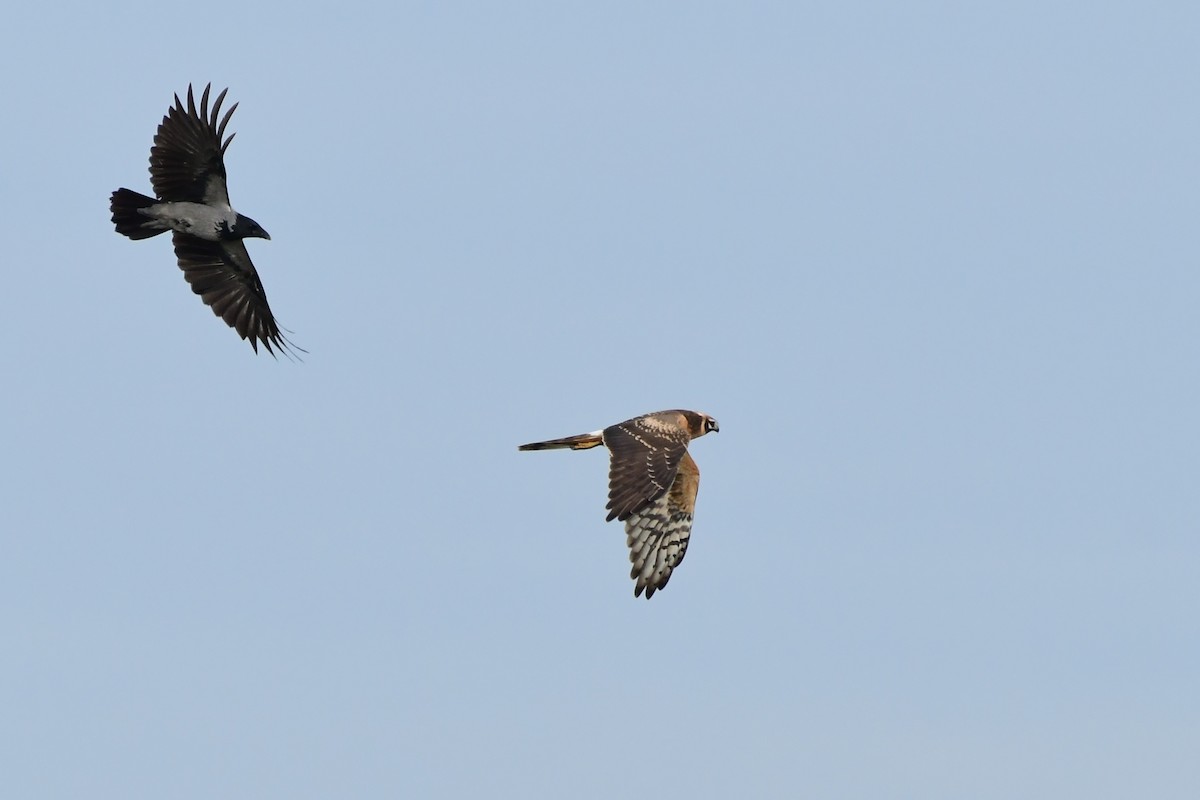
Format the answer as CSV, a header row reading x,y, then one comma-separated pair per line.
x,y
187,160
225,278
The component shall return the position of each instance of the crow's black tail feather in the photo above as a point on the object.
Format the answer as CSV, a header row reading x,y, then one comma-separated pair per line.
x,y
125,207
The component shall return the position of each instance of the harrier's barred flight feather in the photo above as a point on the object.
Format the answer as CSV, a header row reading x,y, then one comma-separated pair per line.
x,y
187,170
652,485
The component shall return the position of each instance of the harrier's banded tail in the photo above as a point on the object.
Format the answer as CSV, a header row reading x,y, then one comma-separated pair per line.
x,y
126,214
583,441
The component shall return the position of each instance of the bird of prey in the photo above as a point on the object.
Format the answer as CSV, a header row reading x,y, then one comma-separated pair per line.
x,y
652,484
187,171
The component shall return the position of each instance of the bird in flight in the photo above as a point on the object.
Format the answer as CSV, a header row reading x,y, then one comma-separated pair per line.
x,y
652,484
187,171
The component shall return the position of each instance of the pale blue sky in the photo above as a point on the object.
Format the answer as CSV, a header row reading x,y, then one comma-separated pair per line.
x,y
932,266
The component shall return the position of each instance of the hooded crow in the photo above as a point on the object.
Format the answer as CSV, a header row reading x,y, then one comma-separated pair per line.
x,y
187,171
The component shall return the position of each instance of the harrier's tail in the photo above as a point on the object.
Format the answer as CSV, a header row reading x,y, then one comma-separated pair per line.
x,y
126,206
583,441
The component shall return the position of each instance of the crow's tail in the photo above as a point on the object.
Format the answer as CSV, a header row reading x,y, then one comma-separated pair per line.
x,y
126,206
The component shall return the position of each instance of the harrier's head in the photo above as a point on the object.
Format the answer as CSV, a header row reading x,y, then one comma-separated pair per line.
x,y
699,424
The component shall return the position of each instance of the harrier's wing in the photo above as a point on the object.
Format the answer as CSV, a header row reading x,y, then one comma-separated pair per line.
x,y
187,160
646,452
658,533
225,278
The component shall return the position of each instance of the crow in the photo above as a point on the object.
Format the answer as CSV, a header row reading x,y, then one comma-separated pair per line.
x,y
187,171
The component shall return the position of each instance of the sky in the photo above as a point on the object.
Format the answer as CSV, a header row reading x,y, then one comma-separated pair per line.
x,y
931,265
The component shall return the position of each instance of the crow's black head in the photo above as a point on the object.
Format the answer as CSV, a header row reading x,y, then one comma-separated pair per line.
x,y
246,228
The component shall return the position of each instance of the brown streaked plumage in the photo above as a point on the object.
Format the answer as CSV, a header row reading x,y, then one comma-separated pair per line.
x,y
652,485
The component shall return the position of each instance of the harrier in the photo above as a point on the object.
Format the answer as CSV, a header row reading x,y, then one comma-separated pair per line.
x,y
652,483
187,171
